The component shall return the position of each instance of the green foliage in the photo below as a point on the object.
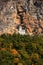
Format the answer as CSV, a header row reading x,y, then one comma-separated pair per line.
x,y
6,58
29,48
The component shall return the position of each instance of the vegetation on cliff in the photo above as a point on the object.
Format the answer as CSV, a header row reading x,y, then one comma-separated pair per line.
x,y
19,49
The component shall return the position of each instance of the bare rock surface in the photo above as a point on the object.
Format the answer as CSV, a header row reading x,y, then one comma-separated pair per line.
x,y
21,15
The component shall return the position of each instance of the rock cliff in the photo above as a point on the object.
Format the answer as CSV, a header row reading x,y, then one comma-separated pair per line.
x,y
24,14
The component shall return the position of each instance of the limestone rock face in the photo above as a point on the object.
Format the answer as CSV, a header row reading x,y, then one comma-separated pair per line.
x,y
27,14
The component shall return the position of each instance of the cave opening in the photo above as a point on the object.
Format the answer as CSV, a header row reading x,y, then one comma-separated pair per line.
x,y
38,3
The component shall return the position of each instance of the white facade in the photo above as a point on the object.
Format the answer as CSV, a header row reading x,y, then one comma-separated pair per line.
x,y
21,31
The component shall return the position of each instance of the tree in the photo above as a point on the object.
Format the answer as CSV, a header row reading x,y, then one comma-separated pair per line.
x,y
6,58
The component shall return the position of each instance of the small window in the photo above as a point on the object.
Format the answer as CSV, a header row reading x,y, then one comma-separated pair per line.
x,y
23,28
